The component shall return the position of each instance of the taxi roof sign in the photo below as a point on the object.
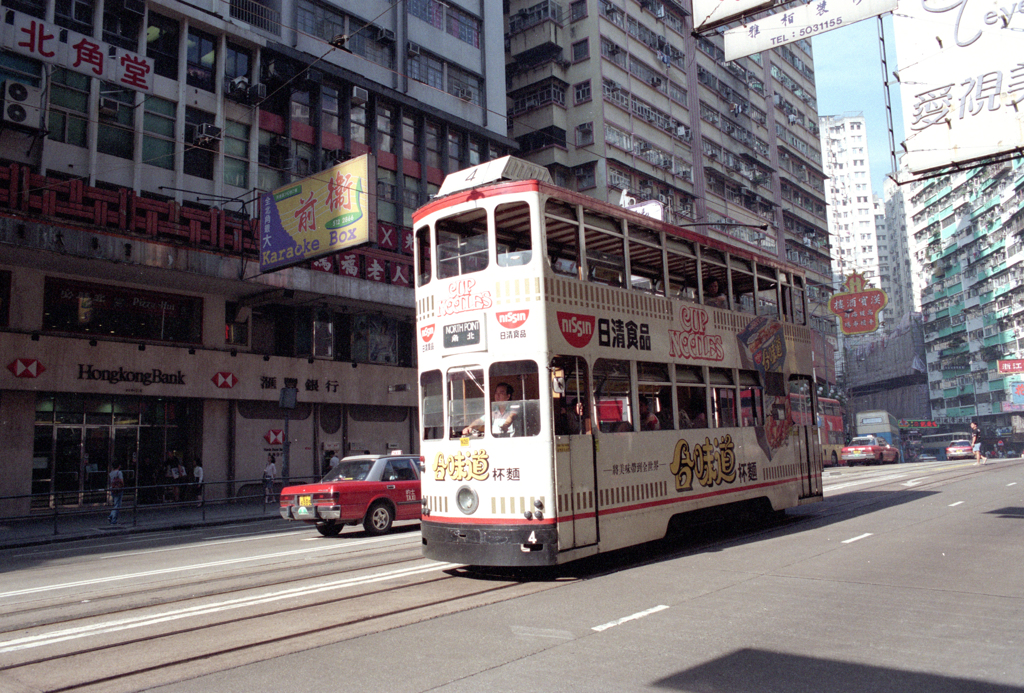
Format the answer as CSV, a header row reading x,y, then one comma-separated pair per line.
x,y
505,168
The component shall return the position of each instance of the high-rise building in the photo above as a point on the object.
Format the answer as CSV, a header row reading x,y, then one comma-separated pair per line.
x,y
967,229
620,96
137,137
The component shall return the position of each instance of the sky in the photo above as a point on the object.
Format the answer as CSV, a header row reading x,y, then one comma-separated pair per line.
x,y
848,77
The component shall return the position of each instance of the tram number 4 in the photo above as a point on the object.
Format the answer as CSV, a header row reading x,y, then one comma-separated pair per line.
x,y
532,539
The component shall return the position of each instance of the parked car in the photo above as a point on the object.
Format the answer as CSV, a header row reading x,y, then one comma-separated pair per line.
x,y
870,450
960,450
374,490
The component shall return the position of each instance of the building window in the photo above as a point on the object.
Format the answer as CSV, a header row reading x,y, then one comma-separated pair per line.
x,y
69,107
427,69
158,137
237,63
454,151
365,44
452,20
162,45
84,308
357,123
581,50
432,133
586,176
121,28
464,85
385,128
584,134
202,59
116,136
76,15
582,92
577,10
199,158
236,154
330,114
410,148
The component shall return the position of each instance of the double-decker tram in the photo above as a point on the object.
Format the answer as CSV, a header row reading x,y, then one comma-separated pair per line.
x,y
587,374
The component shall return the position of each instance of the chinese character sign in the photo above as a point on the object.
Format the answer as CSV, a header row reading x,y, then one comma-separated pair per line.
x,y
52,44
858,305
317,216
961,71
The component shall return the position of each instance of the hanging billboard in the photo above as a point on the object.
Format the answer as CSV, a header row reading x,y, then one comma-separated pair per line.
x,y
797,22
320,215
857,306
961,74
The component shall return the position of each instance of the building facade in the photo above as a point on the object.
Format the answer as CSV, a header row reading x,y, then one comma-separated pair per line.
x,y
967,232
620,99
137,137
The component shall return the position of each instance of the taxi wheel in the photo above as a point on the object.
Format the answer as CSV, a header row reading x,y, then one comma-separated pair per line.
x,y
378,520
329,528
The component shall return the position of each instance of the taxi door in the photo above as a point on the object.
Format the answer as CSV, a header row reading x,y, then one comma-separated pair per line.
x,y
402,482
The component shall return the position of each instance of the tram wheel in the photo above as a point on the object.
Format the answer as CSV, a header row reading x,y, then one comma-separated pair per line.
x,y
329,528
378,520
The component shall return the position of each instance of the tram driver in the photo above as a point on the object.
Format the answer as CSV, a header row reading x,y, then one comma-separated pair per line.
x,y
506,421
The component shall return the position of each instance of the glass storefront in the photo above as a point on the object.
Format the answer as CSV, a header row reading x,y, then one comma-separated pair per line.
x,y
78,438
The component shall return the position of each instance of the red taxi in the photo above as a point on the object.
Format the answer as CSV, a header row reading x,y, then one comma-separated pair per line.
x,y
960,450
870,450
375,490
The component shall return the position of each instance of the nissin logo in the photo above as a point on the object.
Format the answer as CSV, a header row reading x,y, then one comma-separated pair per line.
x,y
511,319
577,329
427,333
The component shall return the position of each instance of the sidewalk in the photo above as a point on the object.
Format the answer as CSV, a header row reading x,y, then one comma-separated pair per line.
x,y
71,524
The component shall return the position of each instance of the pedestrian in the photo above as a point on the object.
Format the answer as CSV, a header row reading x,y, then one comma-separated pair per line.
x,y
269,472
116,485
335,460
976,443
197,473
181,492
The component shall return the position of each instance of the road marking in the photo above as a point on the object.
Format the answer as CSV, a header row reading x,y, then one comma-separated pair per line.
x,y
33,641
1012,483
528,632
183,568
915,482
862,536
953,505
890,477
639,614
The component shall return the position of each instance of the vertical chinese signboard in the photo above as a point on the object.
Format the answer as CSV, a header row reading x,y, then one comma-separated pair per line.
x,y
858,305
320,215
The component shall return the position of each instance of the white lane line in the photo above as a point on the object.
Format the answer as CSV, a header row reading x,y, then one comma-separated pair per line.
x,y
890,477
182,568
862,536
915,482
202,610
633,617
1012,483
953,505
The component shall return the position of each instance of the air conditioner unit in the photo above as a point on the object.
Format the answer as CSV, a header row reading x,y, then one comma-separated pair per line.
x,y
659,12
655,81
257,92
464,94
22,104
586,127
135,6
385,35
663,199
683,131
205,133
108,107
413,49
359,96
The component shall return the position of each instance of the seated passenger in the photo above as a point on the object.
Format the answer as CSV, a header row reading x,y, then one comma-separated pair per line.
x,y
648,419
713,295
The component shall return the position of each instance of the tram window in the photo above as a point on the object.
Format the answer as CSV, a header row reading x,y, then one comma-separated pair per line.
x,y
612,391
691,396
742,286
462,244
647,270
515,399
431,407
723,397
751,400
767,292
682,271
570,403
513,244
655,391
561,229
466,402
605,260
423,270
714,285
800,401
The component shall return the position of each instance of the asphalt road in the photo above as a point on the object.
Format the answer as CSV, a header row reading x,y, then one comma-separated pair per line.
x,y
907,578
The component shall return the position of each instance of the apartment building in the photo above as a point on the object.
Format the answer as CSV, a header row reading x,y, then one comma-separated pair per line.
x,y
136,138
967,233
619,96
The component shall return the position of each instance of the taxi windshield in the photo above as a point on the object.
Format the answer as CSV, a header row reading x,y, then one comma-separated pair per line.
x,y
863,440
350,470
960,444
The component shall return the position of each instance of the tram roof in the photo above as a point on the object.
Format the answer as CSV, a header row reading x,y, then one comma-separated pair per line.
x,y
573,197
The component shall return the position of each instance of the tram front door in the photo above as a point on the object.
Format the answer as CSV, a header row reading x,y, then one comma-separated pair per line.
x,y
575,484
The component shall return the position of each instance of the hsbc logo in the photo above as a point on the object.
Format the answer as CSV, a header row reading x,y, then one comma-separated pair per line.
x,y
427,333
577,329
511,319
26,368
274,436
224,380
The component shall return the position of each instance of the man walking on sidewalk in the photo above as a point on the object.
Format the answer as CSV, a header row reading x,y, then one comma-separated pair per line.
x,y
116,484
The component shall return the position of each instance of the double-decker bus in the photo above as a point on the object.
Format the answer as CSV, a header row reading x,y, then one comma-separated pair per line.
x,y
581,386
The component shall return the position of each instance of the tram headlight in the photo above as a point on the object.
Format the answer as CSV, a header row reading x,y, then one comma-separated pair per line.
x,y
467,500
